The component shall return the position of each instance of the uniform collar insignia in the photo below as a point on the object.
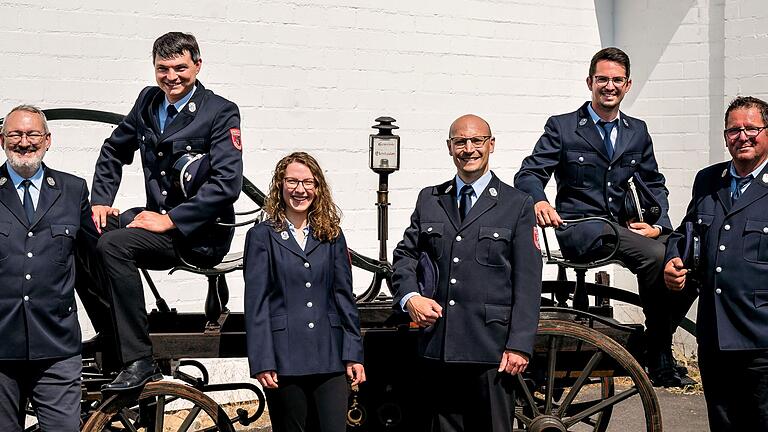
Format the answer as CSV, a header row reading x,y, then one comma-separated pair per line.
x,y
3,180
284,235
192,107
582,122
492,191
725,173
765,178
448,189
51,182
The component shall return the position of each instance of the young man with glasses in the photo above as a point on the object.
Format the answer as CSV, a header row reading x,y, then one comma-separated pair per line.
x,y
178,127
592,152
44,217
729,208
480,320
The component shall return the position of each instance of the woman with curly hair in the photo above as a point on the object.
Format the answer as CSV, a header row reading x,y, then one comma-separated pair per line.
x,y
301,321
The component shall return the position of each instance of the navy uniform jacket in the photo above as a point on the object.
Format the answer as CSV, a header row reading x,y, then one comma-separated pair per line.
x,y
489,267
38,318
207,124
588,184
300,312
733,297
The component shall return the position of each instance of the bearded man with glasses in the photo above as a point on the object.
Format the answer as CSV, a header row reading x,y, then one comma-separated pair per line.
x,y
592,153
44,217
729,208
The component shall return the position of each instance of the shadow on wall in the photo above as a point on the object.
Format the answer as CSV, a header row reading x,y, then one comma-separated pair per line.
x,y
643,29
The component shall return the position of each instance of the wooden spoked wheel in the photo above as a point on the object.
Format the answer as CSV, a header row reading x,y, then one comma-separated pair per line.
x,y
161,406
576,359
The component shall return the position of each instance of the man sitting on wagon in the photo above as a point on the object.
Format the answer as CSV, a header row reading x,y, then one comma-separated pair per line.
x,y
175,126
594,152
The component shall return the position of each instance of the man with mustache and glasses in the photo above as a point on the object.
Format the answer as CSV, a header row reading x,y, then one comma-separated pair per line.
x,y
44,217
479,319
592,152
188,139
728,207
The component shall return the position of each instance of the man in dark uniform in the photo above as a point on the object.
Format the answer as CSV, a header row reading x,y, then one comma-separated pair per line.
x,y
44,217
479,324
592,153
177,119
729,208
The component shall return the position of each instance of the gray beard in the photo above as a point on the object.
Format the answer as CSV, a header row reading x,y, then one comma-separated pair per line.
x,y
25,168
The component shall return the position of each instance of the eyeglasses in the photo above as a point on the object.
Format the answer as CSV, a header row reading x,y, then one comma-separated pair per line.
x,y
750,132
461,142
33,137
603,81
293,183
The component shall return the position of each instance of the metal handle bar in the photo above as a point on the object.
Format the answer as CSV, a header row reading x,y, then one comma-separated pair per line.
x,y
591,264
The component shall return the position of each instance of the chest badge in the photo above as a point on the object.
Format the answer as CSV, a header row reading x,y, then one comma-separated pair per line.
x,y
51,182
493,192
284,235
582,122
192,107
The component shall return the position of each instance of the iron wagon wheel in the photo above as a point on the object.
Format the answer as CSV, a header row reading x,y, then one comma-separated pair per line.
x,y
161,406
556,408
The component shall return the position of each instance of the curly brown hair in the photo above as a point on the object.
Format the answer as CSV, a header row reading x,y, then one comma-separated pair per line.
x,y
324,216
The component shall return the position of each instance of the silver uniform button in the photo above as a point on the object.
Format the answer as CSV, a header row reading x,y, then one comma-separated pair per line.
x,y
188,148
610,199
26,298
609,168
458,238
453,281
164,193
495,235
311,325
609,184
632,162
765,230
455,259
162,173
66,231
722,247
160,154
309,304
28,276
29,254
718,269
29,234
726,227
718,291
163,212
69,309
308,285
306,265
429,229
699,221
451,302
581,158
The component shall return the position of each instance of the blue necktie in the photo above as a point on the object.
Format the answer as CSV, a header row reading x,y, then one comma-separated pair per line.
x,y
465,201
740,183
29,208
172,111
607,127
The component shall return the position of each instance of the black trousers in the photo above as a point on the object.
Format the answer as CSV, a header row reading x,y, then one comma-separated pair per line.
x,y
121,252
736,389
309,403
468,397
53,387
664,309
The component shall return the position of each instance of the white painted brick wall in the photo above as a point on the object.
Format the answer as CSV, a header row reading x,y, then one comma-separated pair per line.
x,y
312,75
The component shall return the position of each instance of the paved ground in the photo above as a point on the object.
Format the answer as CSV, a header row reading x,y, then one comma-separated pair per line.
x,y
679,413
